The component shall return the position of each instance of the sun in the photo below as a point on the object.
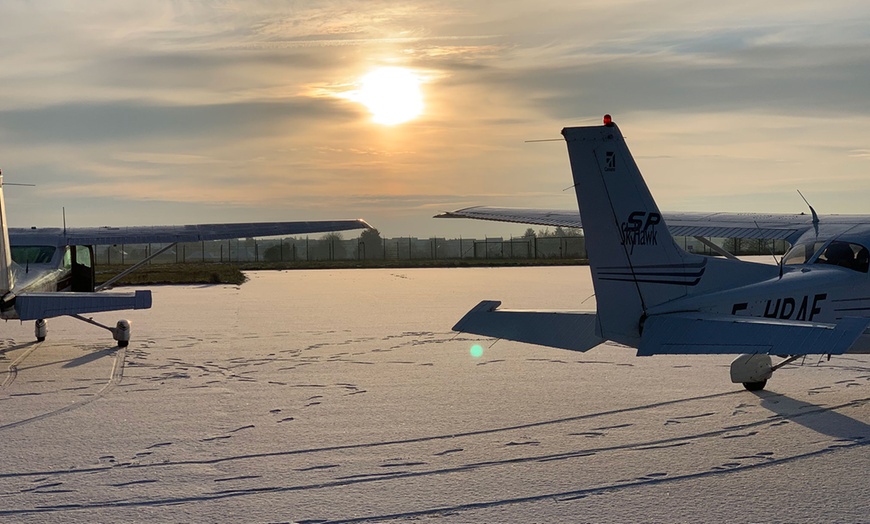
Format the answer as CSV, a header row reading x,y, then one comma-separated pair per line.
x,y
391,94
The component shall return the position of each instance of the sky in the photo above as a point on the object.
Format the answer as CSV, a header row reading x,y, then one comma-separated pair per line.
x,y
180,112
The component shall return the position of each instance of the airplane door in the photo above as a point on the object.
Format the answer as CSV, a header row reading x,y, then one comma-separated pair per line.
x,y
83,272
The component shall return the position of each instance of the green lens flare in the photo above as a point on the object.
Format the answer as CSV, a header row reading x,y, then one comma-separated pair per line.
x,y
477,351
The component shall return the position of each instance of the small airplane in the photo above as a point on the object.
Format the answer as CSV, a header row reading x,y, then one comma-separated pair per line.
x,y
38,263
654,296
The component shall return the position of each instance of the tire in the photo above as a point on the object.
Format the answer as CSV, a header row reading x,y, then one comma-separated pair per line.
x,y
755,386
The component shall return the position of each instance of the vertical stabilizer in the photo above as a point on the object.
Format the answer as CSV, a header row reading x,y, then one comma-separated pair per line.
x,y
634,261
6,282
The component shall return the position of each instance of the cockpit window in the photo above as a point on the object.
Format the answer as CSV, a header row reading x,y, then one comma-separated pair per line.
x,y
801,253
846,254
32,254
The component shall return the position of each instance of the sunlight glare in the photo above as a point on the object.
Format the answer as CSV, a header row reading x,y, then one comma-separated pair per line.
x,y
392,95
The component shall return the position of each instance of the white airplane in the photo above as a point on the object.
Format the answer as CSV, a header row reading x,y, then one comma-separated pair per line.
x,y
654,296
37,263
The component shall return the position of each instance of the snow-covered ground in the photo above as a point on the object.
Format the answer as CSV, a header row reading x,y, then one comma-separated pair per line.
x,y
343,396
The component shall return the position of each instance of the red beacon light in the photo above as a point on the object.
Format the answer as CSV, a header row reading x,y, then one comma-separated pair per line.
x,y
608,121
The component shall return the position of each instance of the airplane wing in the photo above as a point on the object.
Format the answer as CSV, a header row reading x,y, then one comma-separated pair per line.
x,y
699,333
167,234
32,306
788,227
538,217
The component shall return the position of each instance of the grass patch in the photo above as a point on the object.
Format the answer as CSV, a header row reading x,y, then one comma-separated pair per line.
x,y
227,273
374,264
194,273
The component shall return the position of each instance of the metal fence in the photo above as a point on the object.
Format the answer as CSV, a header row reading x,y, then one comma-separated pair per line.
x,y
332,248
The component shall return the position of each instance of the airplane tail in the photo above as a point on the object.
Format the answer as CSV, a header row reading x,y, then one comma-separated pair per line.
x,y
635,262
6,282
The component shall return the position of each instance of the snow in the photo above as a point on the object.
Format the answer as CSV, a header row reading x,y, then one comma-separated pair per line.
x,y
343,396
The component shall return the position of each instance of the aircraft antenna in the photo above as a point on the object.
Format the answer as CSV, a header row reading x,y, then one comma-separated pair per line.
x,y
813,211
537,140
12,183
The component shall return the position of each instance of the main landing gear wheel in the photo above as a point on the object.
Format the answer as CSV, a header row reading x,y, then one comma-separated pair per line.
x,y
755,386
752,371
121,333
40,330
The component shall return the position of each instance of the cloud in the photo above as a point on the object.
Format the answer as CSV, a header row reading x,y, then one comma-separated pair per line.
x,y
216,106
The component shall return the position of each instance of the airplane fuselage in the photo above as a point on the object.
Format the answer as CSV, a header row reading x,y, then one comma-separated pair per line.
x,y
46,269
807,293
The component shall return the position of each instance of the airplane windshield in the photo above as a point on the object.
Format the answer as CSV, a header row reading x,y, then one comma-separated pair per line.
x,y
845,254
32,254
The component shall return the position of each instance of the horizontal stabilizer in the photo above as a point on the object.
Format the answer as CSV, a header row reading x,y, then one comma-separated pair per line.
x,y
696,333
32,306
559,329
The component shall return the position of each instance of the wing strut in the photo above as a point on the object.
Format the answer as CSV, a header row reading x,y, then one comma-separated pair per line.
x,y
126,272
715,248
